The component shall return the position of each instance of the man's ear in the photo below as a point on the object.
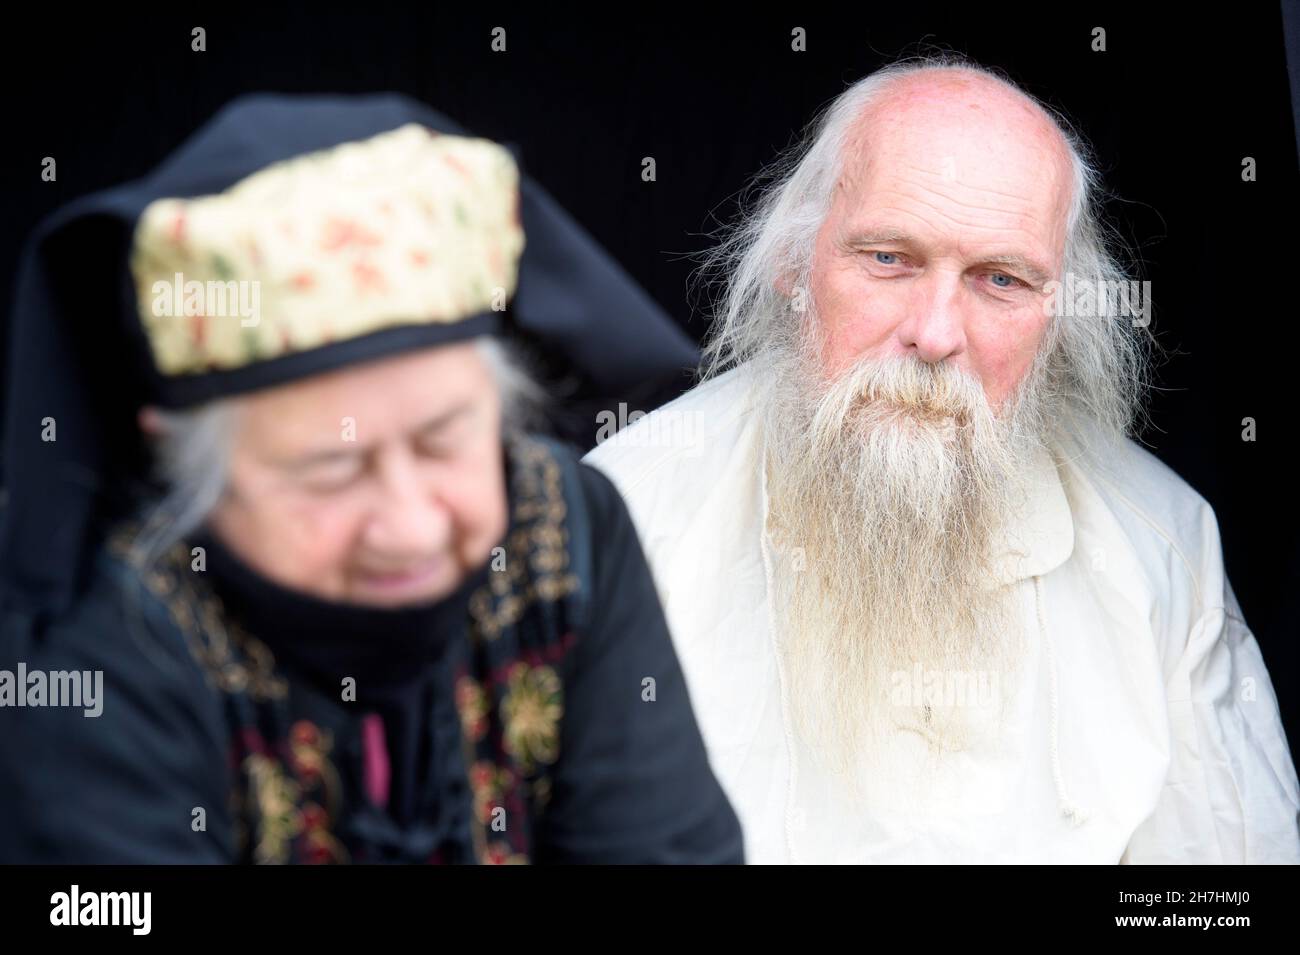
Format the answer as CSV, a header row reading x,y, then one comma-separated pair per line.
x,y
798,294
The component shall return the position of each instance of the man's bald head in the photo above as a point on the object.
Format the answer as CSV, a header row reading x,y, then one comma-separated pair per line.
x,y
968,129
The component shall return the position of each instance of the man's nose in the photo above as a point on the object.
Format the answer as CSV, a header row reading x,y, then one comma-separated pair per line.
x,y
408,516
935,327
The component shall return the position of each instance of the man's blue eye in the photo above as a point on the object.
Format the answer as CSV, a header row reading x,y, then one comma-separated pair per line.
x,y
881,257
999,279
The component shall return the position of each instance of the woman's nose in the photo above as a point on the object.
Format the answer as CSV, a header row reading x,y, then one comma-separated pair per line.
x,y
408,516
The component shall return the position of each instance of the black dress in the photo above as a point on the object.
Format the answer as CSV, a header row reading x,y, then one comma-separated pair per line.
x,y
537,715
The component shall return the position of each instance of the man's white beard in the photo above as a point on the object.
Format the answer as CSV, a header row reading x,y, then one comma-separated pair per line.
x,y
888,488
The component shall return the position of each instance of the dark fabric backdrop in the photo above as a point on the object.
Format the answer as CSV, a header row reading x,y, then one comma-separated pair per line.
x,y
1172,106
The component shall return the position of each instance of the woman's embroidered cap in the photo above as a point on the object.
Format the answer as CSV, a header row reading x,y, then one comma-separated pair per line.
x,y
410,227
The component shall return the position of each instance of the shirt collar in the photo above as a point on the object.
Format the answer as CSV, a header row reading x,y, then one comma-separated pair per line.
x,y
1041,535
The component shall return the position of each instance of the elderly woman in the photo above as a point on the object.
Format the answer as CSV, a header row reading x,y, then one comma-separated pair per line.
x,y
366,617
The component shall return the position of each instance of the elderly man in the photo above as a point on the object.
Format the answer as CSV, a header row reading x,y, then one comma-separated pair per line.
x,y
932,604
366,617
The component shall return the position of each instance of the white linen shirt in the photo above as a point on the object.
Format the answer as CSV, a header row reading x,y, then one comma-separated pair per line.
x,y
1143,728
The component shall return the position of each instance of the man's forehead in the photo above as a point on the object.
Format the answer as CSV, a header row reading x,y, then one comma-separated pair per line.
x,y
971,166
960,135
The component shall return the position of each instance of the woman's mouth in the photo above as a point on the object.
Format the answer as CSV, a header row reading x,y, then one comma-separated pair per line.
x,y
412,580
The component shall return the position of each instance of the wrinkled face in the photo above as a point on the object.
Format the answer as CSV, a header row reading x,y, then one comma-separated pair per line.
x,y
948,221
381,484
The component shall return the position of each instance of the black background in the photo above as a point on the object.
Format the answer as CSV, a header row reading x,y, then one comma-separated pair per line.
x,y
1172,107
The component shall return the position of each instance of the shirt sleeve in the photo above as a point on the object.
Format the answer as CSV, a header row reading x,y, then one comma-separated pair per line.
x,y
1231,793
121,785
633,782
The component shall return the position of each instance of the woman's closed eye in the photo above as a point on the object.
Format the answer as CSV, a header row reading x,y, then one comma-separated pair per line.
x,y
446,437
331,474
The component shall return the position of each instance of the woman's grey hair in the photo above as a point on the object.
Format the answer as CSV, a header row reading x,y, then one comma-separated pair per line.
x,y
1099,368
192,452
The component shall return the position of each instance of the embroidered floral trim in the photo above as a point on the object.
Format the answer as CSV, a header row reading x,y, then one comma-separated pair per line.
x,y
510,696
281,806
234,660
537,553
278,821
474,707
309,748
488,782
532,709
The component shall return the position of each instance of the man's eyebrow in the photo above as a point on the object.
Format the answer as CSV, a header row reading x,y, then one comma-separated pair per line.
x,y
1035,272
871,236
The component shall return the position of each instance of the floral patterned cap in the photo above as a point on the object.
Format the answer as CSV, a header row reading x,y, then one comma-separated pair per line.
x,y
408,229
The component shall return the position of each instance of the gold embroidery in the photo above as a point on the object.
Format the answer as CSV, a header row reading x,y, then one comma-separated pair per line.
x,y
537,554
488,782
532,709
201,618
473,705
237,662
531,703
283,811
309,748
278,821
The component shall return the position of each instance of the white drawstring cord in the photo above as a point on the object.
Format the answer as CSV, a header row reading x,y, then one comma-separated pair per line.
x,y
1076,814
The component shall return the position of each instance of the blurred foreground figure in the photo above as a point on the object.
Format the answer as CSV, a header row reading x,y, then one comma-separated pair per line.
x,y
932,603
366,617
